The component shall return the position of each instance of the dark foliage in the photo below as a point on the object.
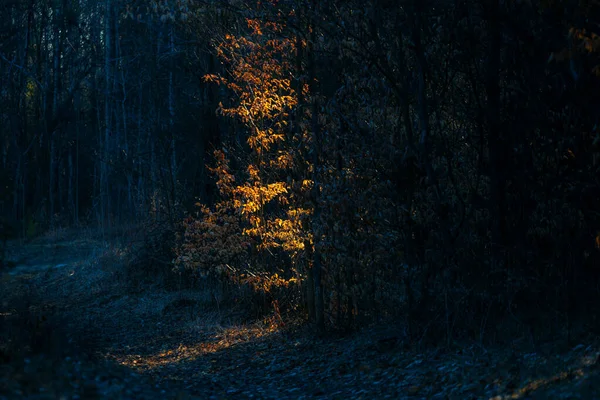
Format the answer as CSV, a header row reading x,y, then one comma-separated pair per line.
x,y
433,163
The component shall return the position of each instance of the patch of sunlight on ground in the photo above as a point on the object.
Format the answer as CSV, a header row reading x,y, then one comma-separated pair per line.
x,y
220,341
570,374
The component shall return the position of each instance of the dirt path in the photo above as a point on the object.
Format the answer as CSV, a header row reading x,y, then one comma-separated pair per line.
x,y
73,327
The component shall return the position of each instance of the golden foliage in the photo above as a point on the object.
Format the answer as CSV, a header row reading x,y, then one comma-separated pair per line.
x,y
260,210
260,78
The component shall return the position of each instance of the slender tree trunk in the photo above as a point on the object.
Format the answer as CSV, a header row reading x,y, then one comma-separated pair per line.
x,y
4,155
51,194
130,206
316,152
173,165
53,167
104,170
17,182
141,193
155,170
309,290
116,186
496,140
60,181
44,76
21,173
76,199
98,177
70,184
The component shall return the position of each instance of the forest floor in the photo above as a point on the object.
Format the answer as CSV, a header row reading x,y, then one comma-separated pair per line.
x,y
72,328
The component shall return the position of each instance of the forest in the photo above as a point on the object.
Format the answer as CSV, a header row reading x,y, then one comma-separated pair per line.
x,y
406,177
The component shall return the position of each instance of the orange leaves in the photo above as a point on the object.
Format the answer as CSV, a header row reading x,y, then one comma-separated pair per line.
x,y
590,42
212,78
255,25
584,42
263,207
250,207
225,179
212,241
264,139
260,79
268,283
257,196
282,160
253,172
307,184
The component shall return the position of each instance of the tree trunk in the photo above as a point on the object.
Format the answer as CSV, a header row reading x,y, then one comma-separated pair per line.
x,y
104,170
316,151
173,165
496,140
